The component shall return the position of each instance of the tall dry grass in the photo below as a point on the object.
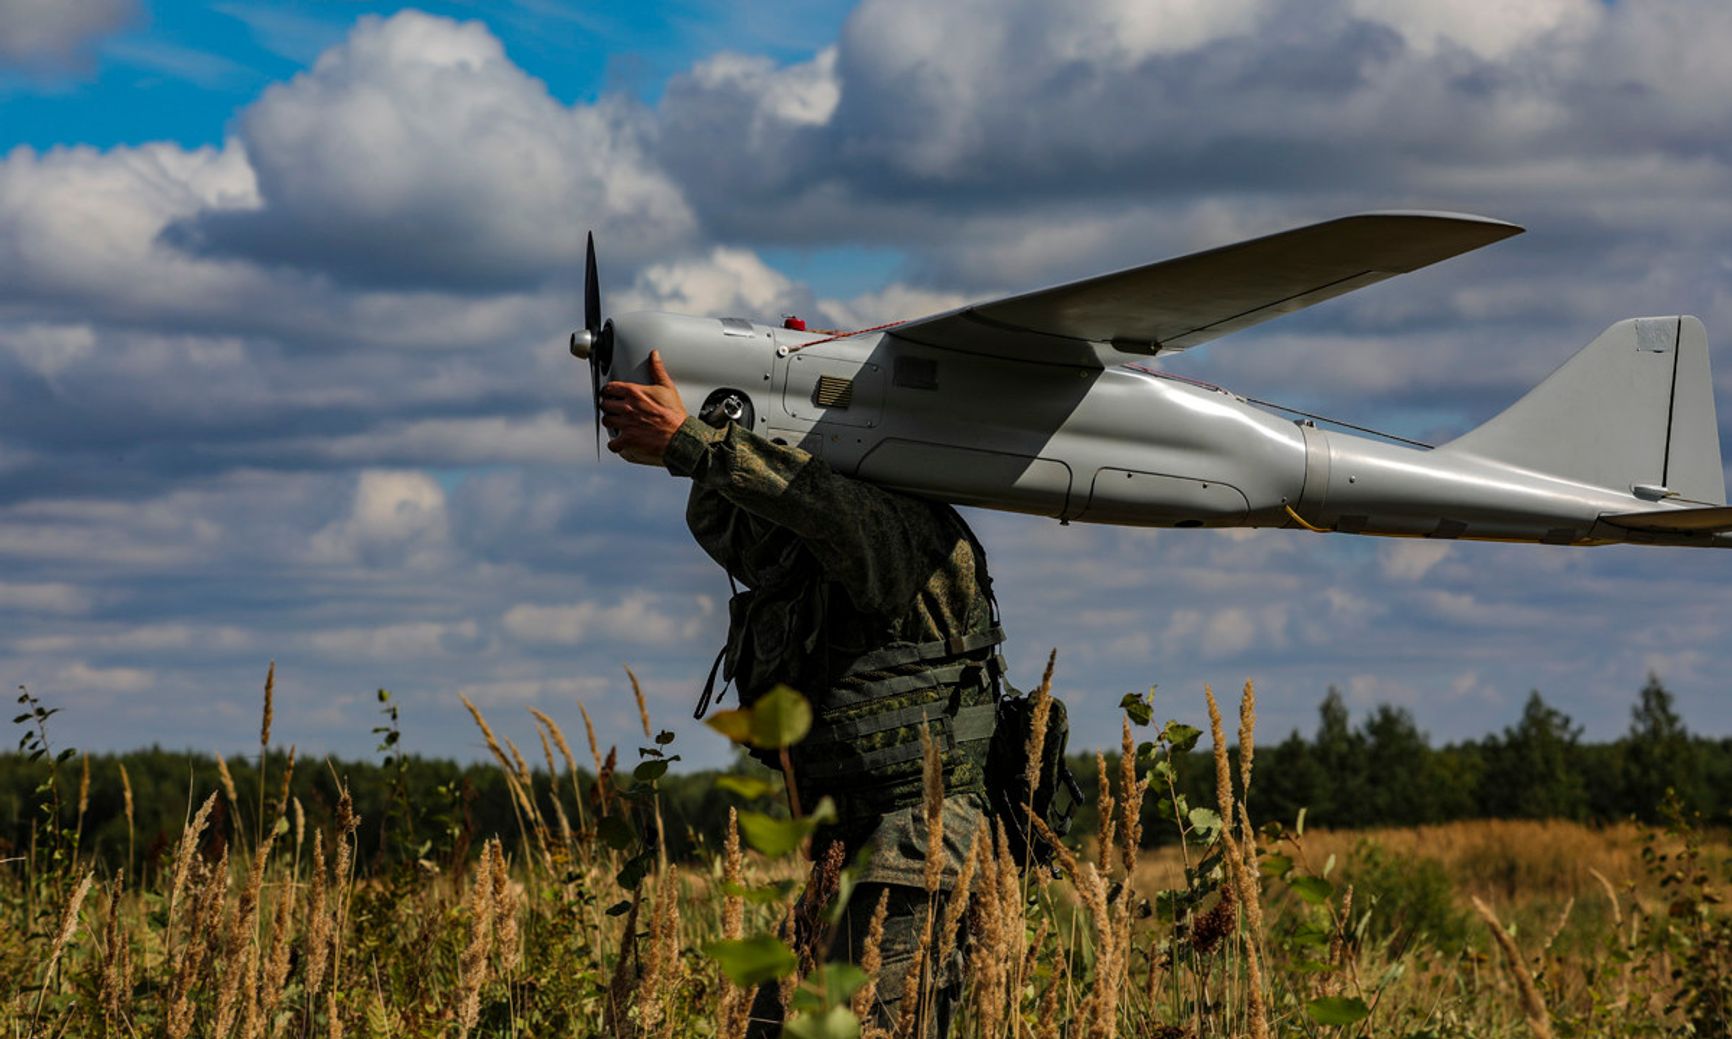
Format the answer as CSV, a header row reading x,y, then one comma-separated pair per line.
x,y
588,928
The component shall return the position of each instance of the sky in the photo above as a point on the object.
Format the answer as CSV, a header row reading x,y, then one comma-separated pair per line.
x,y
284,291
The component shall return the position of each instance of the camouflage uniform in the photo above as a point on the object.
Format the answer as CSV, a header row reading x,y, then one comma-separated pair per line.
x,y
876,606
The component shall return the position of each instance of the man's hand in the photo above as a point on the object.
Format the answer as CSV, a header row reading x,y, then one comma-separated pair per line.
x,y
642,418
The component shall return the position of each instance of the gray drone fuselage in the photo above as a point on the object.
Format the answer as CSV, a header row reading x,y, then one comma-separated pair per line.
x,y
1621,435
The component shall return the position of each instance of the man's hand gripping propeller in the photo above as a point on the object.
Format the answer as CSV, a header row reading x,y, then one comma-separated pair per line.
x,y
642,418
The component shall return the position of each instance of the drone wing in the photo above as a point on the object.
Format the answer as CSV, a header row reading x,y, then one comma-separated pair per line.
x,y
1179,303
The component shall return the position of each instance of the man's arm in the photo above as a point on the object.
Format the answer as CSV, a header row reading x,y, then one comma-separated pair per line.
x,y
880,545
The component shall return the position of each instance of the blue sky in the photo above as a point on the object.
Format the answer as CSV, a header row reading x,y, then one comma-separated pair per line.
x,y
283,292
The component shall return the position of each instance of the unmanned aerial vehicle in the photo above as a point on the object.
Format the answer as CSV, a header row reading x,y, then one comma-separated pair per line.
x,y
1048,403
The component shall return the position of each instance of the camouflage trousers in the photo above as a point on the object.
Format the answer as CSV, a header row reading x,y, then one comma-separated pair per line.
x,y
894,870
904,927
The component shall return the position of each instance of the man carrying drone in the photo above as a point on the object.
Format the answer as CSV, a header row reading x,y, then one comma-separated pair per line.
x,y
874,604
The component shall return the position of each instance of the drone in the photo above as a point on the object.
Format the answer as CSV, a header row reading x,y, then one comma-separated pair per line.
x,y
1047,403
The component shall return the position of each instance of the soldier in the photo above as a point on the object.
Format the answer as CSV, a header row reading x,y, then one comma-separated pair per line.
x,y
874,604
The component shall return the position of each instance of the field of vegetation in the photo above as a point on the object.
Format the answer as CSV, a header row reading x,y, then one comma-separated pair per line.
x,y
275,898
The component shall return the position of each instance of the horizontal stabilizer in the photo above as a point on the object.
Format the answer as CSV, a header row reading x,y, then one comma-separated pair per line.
x,y
1715,520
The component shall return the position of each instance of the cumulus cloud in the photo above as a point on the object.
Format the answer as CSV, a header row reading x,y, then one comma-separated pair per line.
x,y
52,32
417,154
303,393
640,618
46,597
398,518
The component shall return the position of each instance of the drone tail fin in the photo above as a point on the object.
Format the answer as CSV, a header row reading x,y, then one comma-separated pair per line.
x,y
1633,412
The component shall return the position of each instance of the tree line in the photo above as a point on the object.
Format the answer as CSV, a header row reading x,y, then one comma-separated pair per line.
x,y
1380,770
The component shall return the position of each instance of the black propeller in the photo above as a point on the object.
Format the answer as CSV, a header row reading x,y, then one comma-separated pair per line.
x,y
594,341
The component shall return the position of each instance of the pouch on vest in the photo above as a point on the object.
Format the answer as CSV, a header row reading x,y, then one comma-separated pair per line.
x,y
1057,795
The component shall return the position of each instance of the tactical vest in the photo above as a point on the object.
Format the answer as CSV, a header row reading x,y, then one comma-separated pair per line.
x,y
864,747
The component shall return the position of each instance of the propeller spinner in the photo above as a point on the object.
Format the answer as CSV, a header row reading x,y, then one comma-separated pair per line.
x,y
593,342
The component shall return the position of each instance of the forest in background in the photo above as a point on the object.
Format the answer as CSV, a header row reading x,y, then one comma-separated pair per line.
x,y
1379,770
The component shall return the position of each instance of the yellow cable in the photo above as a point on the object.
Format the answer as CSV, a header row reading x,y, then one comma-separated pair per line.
x,y
1296,518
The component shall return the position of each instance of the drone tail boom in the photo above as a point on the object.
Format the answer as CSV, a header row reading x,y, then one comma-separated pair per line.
x,y
1632,412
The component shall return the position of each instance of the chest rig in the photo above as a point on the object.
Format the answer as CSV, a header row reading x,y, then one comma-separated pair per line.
x,y
870,700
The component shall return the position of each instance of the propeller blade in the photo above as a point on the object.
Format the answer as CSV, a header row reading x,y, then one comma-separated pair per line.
x,y
595,388
591,291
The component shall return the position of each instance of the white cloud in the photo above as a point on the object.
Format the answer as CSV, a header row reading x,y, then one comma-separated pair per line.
x,y
398,517
1491,29
1410,560
81,677
639,618
416,153
47,597
725,281
48,32
397,641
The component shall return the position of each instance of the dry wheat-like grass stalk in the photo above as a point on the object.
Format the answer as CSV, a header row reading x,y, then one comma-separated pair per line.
x,y
126,806
209,893
83,792
559,741
318,941
472,966
990,944
1243,873
228,781
602,794
565,834
507,904
115,985
1040,704
265,717
240,948
1534,1011
347,823
183,856
871,961
276,971
1104,805
62,936
642,708
949,929
735,1002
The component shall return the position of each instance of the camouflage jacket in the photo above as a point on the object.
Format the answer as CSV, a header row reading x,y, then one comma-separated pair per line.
x,y
836,570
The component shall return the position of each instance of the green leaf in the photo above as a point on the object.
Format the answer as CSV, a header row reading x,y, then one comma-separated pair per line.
x,y
838,1023
620,908
615,832
1314,890
774,891
1181,737
1164,769
633,872
1136,708
777,837
780,718
664,738
650,771
749,962
736,725
831,985
1337,1010
749,787
1275,865
1206,820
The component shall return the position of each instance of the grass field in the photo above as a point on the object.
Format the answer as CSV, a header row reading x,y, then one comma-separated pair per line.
x,y
264,925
